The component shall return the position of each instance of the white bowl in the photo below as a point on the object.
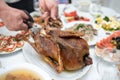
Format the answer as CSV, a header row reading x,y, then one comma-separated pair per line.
x,y
28,67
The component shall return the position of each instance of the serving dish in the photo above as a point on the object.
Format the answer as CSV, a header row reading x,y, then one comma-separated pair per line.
x,y
108,24
8,41
108,48
21,68
33,57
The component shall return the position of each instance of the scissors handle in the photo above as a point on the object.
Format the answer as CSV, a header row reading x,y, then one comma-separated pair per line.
x,y
28,21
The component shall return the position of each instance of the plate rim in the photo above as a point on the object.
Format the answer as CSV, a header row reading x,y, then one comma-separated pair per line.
x,y
58,77
27,66
104,58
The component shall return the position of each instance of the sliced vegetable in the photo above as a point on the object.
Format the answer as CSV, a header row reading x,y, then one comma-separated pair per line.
x,y
10,48
20,44
1,24
70,14
106,19
79,26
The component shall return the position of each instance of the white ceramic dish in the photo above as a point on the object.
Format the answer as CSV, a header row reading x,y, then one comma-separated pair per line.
x,y
5,31
99,53
25,66
80,14
108,56
32,56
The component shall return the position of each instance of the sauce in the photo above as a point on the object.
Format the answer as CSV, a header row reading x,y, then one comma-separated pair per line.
x,y
21,74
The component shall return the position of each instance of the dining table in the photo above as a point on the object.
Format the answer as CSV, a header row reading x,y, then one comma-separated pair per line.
x,y
94,71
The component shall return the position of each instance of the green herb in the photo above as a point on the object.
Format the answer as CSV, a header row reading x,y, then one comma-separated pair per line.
x,y
106,19
98,15
96,22
79,26
14,39
87,28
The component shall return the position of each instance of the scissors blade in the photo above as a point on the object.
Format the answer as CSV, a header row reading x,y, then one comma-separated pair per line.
x,y
36,28
31,25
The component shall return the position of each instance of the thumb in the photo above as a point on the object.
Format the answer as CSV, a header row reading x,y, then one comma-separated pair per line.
x,y
24,15
54,12
46,14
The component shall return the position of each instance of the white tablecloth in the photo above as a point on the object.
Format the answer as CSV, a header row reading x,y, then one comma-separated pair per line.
x,y
92,74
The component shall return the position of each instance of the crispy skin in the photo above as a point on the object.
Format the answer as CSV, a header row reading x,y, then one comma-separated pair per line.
x,y
73,50
70,34
49,50
62,50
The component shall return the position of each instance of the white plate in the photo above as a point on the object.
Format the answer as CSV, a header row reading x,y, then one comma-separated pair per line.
x,y
99,53
100,35
25,66
108,56
32,56
7,53
5,31
80,14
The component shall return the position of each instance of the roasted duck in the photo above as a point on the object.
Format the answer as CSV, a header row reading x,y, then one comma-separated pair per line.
x,y
63,50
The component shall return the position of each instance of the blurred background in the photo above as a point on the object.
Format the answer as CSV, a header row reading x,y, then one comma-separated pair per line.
x,y
114,4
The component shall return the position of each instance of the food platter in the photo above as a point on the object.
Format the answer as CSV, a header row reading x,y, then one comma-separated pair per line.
x,y
108,24
32,56
107,55
99,53
6,34
82,17
108,48
100,32
24,67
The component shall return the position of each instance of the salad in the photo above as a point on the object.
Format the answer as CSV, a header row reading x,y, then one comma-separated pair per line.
x,y
107,23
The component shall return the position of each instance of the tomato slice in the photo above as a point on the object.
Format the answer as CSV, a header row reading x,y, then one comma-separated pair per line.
x,y
1,49
1,24
10,48
69,14
20,44
99,45
84,19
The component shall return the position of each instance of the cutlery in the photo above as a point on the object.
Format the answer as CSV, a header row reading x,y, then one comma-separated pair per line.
x,y
31,24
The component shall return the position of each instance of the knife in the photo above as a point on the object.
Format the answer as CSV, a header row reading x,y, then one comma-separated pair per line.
x,y
31,24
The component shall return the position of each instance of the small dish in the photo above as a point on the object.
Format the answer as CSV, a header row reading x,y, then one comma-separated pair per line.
x,y
32,56
6,36
108,55
25,69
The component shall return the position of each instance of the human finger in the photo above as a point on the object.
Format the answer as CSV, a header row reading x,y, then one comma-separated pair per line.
x,y
24,15
42,5
46,14
23,27
54,12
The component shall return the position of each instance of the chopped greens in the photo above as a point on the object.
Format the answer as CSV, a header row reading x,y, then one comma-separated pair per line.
x,y
96,22
79,26
88,28
106,19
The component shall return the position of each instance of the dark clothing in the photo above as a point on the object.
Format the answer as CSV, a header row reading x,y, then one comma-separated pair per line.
x,y
23,5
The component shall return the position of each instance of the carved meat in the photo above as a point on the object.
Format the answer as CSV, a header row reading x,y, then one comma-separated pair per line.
x,y
49,50
62,52
73,50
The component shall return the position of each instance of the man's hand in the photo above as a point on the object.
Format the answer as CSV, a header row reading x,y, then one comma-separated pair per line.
x,y
49,7
14,19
